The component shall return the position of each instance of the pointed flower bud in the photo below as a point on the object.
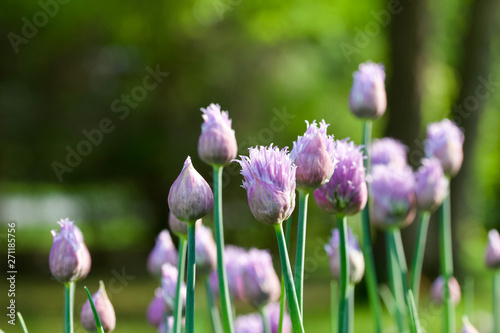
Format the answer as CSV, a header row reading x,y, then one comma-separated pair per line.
x,y
437,290
190,197
104,309
269,178
272,312
445,142
431,186
217,143
492,257
388,151
156,309
169,286
367,98
235,260
69,258
178,227
260,281
393,196
313,156
205,251
468,328
356,260
346,192
164,251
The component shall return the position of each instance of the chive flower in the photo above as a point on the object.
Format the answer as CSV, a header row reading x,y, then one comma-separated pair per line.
x,y
367,98
163,252
260,282
169,285
156,309
431,185
437,290
388,151
355,256
104,309
492,257
235,260
445,142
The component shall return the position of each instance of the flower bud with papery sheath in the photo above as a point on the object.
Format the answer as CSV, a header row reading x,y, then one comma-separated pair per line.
x,y
178,227
69,258
104,309
169,285
437,290
260,281
492,257
190,197
388,151
367,99
217,143
431,186
205,251
355,256
445,142
164,251
156,309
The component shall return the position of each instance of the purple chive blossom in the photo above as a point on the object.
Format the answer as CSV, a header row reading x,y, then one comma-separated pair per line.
x,y
104,309
346,192
367,98
169,285
217,143
437,290
260,281
156,309
393,196
356,260
272,312
235,260
388,151
445,142
69,258
467,327
178,227
205,251
492,256
313,156
163,252
190,197
431,186
269,178
250,323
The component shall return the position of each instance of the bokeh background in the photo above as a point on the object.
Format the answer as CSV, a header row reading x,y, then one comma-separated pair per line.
x,y
69,68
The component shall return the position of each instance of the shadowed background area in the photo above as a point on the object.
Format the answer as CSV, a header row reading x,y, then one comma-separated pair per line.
x,y
100,106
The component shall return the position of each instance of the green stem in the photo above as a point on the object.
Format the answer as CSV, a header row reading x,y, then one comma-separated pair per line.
x,y
344,277
418,258
333,305
301,248
181,265
265,323
212,308
191,271
395,280
416,328
445,250
370,274
69,297
97,320
293,305
225,301
21,321
351,308
283,295
496,301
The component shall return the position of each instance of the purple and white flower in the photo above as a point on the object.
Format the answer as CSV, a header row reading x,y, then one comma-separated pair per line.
x,y
367,98
445,142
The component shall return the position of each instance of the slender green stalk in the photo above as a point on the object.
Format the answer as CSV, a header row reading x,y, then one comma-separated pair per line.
x,y
301,248
395,281
265,323
415,328
496,301
21,321
181,265
225,300
334,299
370,274
69,298
212,308
344,277
98,323
445,250
418,258
293,305
351,308
283,294
191,271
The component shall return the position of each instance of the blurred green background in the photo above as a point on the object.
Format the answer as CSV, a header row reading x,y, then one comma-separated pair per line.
x,y
69,68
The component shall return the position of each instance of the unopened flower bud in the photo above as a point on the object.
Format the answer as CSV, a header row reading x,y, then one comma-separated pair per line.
x,y
190,197
235,259
69,258
104,309
388,151
169,287
272,312
163,252
217,143
445,142
205,251
156,309
467,327
260,281
367,98
437,290
355,256
178,227
492,257
431,186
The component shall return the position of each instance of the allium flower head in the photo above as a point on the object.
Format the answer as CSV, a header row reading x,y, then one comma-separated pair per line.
x,y
269,178
169,285
217,143
437,290
431,186
367,98
313,156
163,252
467,327
492,256
260,281
393,196
190,197
205,251
346,192
445,142
156,309
69,258
250,323
178,227
388,151
104,309
356,260
272,312
235,260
